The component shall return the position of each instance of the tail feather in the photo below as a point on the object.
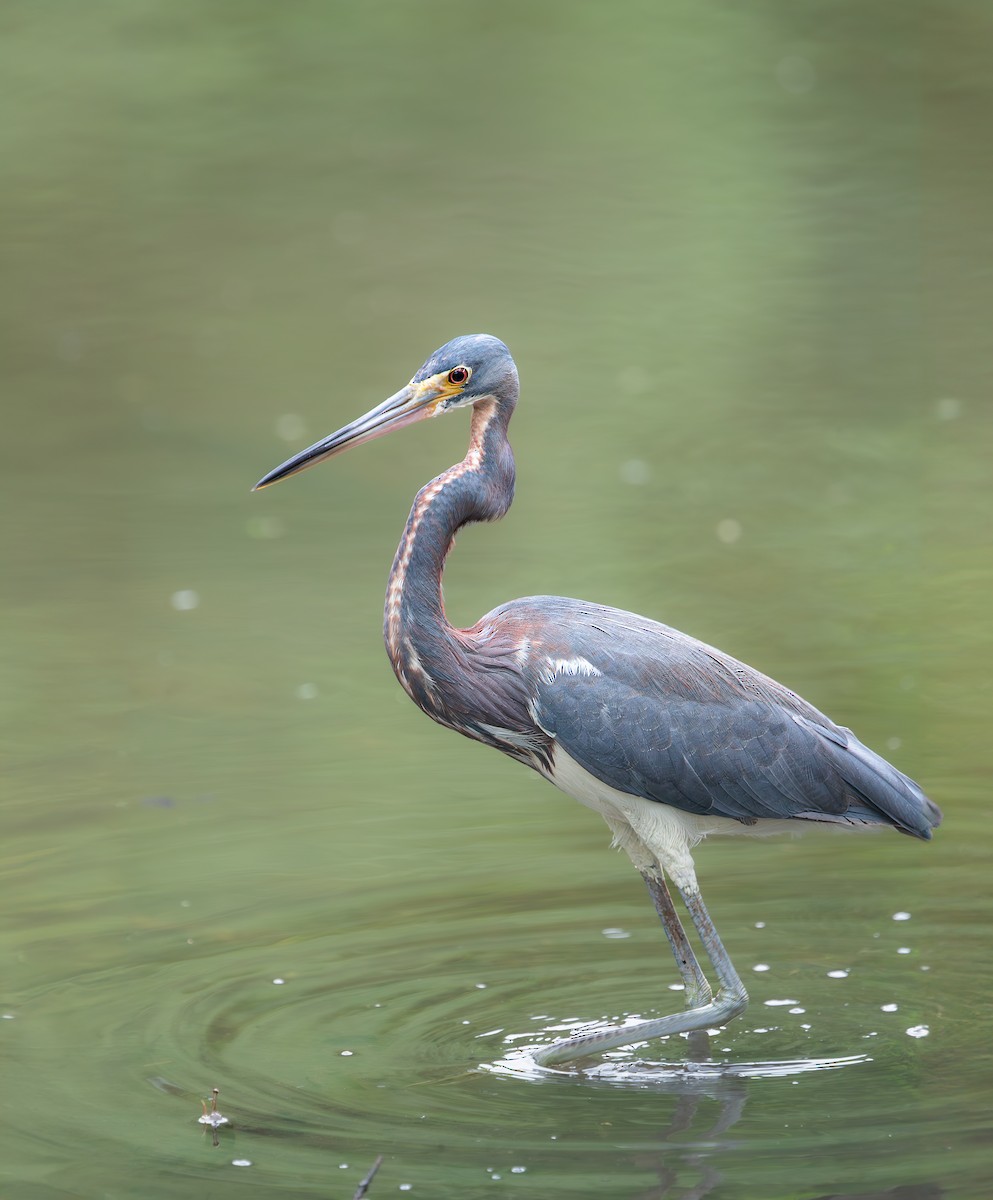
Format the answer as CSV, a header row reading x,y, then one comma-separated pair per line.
x,y
887,795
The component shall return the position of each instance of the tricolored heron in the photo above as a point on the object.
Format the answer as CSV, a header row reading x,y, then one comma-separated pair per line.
x,y
667,738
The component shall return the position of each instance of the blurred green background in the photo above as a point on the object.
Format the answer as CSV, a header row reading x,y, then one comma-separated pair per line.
x,y
742,256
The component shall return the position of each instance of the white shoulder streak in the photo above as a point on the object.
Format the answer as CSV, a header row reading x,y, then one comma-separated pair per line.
x,y
668,834
568,666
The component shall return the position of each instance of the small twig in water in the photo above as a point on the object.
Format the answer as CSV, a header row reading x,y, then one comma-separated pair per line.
x,y
364,1185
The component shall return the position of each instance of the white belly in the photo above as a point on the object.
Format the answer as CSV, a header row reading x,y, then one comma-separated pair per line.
x,y
652,833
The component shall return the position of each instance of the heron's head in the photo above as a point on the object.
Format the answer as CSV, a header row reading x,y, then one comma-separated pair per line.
x,y
463,372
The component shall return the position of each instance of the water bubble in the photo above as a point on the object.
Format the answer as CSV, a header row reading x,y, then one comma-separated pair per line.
x,y
634,380
797,1011
291,428
761,967
918,1031
480,985
241,1162
795,74
635,472
904,950
615,933
278,981
778,1003
347,1053
888,1007
901,916
348,228
69,345
131,388
517,1170
264,527
838,974
185,600
760,924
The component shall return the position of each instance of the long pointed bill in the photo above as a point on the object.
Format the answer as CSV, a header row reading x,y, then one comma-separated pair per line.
x,y
410,404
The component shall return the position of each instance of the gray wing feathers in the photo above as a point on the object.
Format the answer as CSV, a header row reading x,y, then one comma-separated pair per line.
x,y
667,718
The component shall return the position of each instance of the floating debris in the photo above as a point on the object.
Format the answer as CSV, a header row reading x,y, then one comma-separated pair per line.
x,y
364,1185
211,1116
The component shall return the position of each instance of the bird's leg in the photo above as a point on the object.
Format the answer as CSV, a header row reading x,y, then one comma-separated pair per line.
x,y
731,998
625,838
697,988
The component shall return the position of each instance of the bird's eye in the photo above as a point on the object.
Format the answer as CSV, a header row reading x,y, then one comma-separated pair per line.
x,y
459,375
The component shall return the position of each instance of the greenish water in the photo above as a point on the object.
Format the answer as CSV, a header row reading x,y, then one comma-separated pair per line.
x,y
741,254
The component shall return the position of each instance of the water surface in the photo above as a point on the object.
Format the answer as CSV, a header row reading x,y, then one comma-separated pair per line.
x,y
739,254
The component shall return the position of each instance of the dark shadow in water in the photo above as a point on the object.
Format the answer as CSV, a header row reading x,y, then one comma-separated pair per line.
x,y
691,1171
910,1191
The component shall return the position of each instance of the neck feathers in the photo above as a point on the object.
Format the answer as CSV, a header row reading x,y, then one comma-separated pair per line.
x,y
423,647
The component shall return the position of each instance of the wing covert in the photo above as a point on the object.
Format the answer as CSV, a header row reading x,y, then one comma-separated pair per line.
x,y
746,760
